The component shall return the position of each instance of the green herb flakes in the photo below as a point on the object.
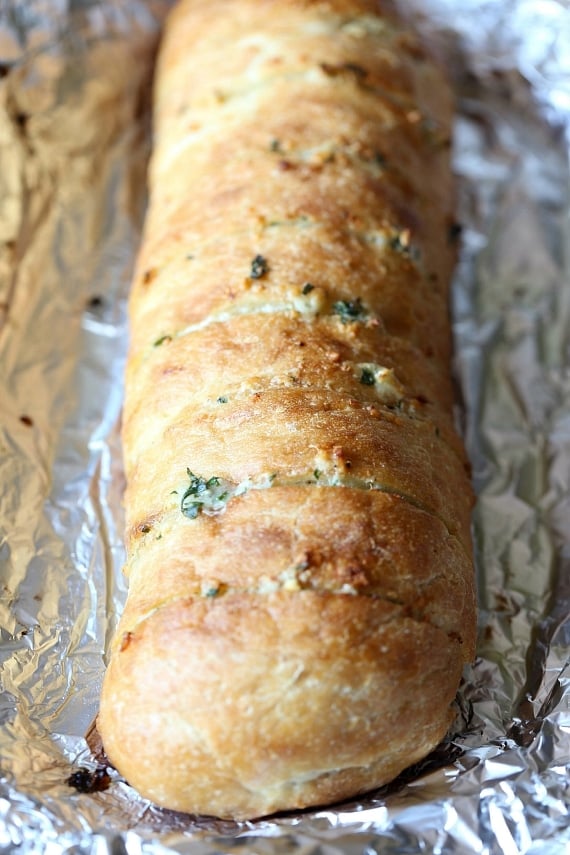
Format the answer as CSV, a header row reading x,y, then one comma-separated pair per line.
x,y
367,377
259,267
349,310
212,592
203,495
400,242
162,340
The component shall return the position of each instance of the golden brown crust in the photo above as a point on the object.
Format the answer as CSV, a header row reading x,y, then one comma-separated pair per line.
x,y
377,545
277,706
299,557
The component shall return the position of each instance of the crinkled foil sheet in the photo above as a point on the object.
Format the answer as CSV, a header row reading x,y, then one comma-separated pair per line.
x,y
74,138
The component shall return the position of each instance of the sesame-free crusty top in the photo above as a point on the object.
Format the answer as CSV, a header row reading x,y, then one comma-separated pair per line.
x,y
298,503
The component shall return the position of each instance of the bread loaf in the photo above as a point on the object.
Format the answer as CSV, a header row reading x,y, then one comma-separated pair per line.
x,y
298,502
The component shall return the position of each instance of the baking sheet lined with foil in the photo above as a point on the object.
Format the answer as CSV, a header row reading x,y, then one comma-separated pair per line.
x,y
74,138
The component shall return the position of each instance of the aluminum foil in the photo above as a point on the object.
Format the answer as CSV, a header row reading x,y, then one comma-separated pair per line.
x,y
74,137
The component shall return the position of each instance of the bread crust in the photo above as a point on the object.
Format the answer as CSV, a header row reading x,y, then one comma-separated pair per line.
x,y
301,597
310,725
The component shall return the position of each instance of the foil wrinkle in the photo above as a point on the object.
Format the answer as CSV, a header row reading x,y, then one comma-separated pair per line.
x,y
74,141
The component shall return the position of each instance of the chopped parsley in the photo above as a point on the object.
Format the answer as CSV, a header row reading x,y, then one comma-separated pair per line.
x,y
203,495
259,267
86,780
222,399
212,592
400,242
307,288
349,310
162,340
367,377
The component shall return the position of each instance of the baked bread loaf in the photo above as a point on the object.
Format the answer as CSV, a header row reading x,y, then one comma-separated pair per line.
x,y
298,502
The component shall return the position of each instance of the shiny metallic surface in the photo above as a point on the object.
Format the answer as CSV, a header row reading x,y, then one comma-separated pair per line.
x,y
74,138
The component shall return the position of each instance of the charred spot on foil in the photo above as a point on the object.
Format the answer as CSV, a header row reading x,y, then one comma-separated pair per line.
x,y
523,731
164,339
349,310
89,780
